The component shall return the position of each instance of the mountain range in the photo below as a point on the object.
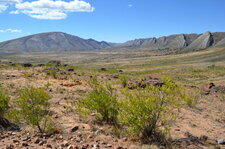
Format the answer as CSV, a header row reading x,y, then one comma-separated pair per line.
x,y
58,41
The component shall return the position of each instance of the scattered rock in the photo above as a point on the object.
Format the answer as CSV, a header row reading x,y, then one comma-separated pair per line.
x,y
42,142
13,133
70,147
74,129
145,82
65,144
190,140
221,141
51,70
103,69
78,139
10,146
208,86
70,69
203,138
40,65
115,76
54,63
49,145
212,88
61,137
120,147
5,124
16,141
37,140
25,144
27,65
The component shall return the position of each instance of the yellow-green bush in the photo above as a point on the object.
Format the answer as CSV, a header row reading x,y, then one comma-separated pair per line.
x,y
100,100
4,102
123,80
33,108
146,112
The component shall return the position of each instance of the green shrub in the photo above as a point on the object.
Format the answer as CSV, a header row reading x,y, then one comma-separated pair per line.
x,y
4,103
28,75
190,97
123,80
102,101
52,72
33,107
148,112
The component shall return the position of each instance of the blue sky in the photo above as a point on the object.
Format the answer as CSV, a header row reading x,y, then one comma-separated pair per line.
x,y
110,20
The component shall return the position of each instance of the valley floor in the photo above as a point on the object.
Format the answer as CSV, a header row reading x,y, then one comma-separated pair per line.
x,y
193,70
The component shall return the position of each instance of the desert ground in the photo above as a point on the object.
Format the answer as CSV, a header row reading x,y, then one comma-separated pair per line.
x,y
198,126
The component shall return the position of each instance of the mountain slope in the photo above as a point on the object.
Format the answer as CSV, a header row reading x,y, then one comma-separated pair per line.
x,y
182,42
58,41
52,41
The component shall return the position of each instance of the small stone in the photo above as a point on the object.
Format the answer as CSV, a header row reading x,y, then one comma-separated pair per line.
x,y
74,129
25,144
37,140
203,138
78,139
65,144
13,133
221,141
103,69
85,146
15,141
10,146
70,69
49,145
70,147
42,142
125,139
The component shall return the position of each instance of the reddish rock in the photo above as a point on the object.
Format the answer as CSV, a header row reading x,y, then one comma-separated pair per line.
x,y
208,86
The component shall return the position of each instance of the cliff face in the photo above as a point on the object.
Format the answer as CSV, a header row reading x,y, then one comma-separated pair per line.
x,y
180,41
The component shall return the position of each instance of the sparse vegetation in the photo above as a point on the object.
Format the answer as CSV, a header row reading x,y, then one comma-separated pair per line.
x,y
4,103
148,112
102,101
52,73
28,75
140,113
123,80
33,108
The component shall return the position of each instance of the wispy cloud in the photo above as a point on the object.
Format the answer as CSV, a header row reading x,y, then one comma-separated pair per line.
x,y
130,5
4,4
11,30
50,9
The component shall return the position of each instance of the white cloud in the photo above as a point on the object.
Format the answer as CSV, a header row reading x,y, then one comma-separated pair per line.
x,y
130,5
2,8
5,3
50,9
11,30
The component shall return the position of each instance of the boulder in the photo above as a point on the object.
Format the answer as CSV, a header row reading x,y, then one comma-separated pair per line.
x,y
103,69
27,65
145,82
70,69
54,63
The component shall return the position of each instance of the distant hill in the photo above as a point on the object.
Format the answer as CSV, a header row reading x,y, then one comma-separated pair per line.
x,y
58,41
52,41
181,42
